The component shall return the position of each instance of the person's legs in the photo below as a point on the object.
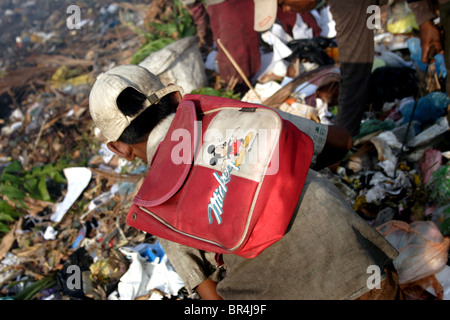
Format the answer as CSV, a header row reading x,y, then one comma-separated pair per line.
x,y
201,20
356,52
232,23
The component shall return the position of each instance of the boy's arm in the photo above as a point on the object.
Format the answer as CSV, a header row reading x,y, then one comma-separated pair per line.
x,y
207,290
331,143
338,143
430,36
193,266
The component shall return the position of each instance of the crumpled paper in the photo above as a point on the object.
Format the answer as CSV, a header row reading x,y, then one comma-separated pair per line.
x,y
384,185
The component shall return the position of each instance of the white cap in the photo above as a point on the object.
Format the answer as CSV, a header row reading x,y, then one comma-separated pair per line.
x,y
107,88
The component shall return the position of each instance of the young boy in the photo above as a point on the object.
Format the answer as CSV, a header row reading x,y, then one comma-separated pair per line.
x,y
327,253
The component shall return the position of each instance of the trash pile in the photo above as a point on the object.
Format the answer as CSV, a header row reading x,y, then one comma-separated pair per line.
x,y
64,195
398,170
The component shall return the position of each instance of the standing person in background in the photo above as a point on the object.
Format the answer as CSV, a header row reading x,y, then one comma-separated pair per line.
x,y
356,49
354,39
232,21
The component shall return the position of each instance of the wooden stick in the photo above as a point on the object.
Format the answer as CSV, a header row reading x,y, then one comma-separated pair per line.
x,y
238,69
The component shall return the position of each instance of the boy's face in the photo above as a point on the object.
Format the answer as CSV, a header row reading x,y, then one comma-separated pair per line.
x,y
139,150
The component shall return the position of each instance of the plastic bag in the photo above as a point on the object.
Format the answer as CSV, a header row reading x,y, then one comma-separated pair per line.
x,y
179,62
423,251
401,19
429,108
143,276
430,162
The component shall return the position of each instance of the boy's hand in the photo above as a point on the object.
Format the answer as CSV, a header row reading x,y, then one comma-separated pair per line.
x,y
207,290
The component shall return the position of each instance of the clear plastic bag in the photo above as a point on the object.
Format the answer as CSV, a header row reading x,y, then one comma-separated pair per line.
x,y
423,250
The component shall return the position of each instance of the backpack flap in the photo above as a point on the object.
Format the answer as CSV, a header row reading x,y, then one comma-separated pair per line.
x,y
173,160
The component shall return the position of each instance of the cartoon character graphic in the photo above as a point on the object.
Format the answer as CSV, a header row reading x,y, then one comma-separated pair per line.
x,y
231,149
232,153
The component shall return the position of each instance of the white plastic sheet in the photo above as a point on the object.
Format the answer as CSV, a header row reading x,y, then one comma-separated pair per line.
x,y
383,185
78,179
325,20
263,90
301,30
143,276
273,61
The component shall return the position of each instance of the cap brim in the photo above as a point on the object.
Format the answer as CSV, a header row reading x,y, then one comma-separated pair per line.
x,y
265,14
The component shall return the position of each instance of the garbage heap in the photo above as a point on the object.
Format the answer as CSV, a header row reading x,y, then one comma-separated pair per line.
x,y
396,176
64,195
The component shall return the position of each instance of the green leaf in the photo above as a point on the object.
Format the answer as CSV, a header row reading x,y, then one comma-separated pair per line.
x,y
11,192
5,217
189,31
208,91
218,93
31,186
42,186
167,29
4,228
15,167
445,227
10,178
146,50
7,209
30,291
57,177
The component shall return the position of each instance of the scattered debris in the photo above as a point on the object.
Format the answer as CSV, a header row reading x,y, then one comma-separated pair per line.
x,y
64,196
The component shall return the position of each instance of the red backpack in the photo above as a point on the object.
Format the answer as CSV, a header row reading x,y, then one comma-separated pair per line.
x,y
226,179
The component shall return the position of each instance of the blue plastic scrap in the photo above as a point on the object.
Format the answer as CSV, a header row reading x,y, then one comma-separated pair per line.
x,y
151,251
428,109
